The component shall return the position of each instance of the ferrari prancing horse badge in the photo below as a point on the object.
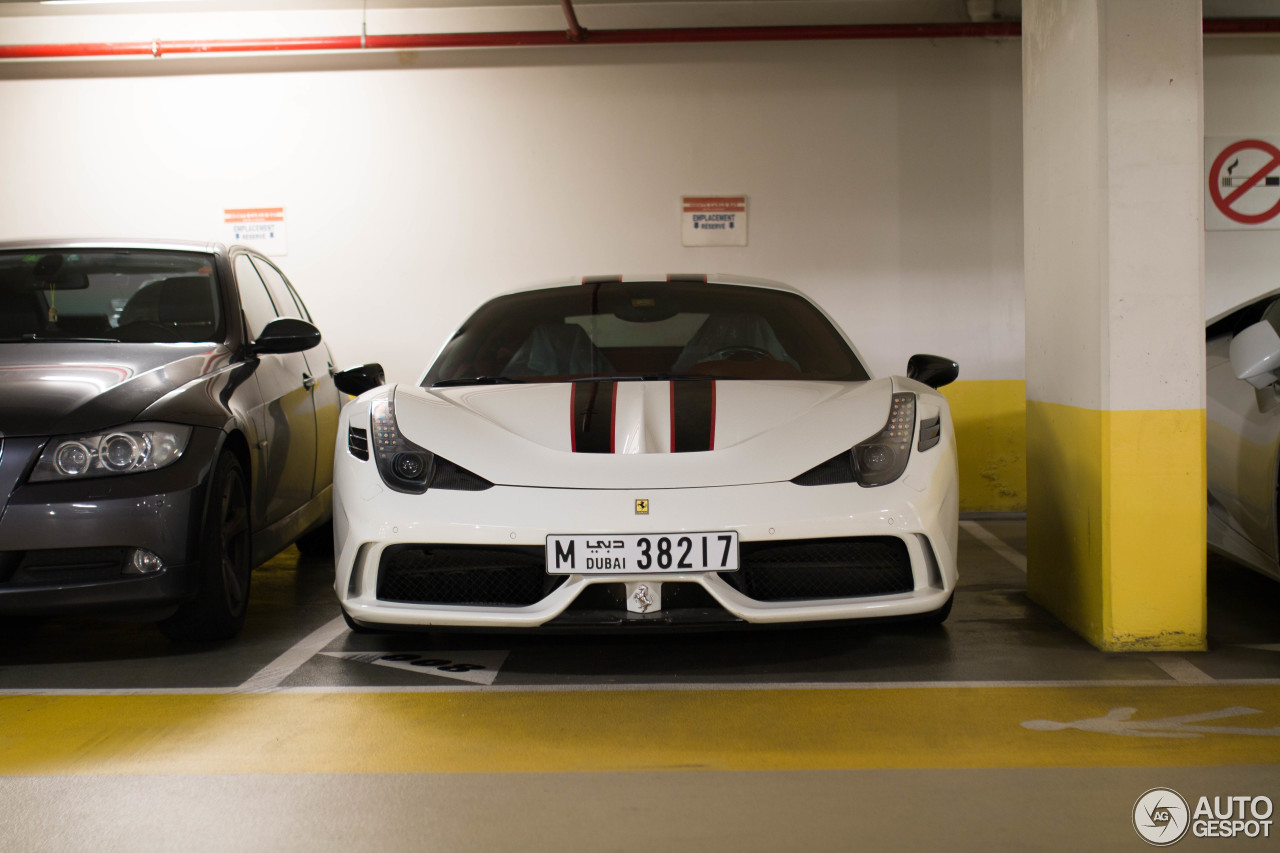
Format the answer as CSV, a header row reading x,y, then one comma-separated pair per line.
x,y
642,506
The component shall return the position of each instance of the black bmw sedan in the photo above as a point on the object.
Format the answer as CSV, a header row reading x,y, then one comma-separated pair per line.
x,y
167,420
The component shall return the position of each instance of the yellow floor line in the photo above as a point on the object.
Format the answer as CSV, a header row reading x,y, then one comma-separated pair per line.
x,y
653,730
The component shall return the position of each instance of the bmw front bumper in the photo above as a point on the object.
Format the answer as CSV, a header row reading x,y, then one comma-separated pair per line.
x,y
64,546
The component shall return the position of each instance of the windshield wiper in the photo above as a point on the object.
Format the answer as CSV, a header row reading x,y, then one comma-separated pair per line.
x,y
680,377
478,380
46,339
651,377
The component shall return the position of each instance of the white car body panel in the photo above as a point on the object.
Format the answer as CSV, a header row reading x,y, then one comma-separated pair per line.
x,y
765,433
1243,449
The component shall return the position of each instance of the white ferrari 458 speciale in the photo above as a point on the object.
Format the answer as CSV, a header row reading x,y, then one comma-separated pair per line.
x,y
621,450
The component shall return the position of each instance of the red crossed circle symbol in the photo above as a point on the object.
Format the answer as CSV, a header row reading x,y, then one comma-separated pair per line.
x,y
1223,203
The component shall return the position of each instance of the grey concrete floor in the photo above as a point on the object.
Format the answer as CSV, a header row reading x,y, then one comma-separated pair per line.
x,y
292,643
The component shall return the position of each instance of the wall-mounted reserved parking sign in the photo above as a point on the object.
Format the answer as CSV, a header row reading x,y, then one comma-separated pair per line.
x,y
714,220
259,227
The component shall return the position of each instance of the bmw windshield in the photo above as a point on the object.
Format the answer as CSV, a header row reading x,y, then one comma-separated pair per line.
x,y
109,296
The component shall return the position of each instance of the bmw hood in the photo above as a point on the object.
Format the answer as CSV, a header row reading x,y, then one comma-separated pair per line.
x,y
643,434
51,388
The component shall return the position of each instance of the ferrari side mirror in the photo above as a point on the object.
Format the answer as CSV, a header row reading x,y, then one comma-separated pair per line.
x,y
1255,354
933,370
356,380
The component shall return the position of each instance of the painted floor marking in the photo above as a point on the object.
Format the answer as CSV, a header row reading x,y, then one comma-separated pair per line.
x,y
273,674
475,667
1181,670
1119,721
615,687
488,731
995,543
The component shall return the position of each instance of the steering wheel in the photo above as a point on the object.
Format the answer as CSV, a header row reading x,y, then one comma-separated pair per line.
x,y
741,352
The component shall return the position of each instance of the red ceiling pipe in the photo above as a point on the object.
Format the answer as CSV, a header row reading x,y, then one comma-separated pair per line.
x,y
534,38
576,32
1241,26
689,35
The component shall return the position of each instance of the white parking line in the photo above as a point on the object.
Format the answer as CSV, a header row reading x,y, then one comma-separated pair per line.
x,y
1182,670
273,674
986,537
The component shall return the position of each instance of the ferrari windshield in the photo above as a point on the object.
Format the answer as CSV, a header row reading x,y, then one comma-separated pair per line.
x,y
645,330
109,295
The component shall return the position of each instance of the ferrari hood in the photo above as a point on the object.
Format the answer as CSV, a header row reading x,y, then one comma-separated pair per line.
x,y
650,434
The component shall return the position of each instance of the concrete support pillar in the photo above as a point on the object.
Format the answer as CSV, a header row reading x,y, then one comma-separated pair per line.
x,y
1112,96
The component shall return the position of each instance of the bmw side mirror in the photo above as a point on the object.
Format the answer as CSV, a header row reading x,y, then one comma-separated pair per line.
x,y
933,370
356,380
286,334
1255,354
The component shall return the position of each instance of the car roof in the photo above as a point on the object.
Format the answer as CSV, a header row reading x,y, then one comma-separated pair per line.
x,y
672,278
110,243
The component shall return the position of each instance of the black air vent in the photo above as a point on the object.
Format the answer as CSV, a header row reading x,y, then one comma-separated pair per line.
x,y
449,475
479,576
838,469
803,569
358,443
930,432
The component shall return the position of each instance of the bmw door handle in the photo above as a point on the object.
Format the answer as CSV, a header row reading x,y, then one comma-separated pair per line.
x,y
308,381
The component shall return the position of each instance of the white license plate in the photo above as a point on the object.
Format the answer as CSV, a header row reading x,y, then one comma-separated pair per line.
x,y
645,553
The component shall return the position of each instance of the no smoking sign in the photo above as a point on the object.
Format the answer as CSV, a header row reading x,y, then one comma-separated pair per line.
x,y
1243,191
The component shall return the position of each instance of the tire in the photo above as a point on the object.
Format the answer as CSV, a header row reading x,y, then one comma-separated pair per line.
x,y
317,542
217,612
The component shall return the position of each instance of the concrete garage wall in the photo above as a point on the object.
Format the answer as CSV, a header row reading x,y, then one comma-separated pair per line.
x,y
884,179
1242,100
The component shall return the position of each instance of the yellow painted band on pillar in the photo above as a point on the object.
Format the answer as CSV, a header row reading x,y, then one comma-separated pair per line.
x,y
1116,524
990,423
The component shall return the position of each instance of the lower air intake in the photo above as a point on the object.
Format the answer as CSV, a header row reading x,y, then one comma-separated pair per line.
x,y
805,569
479,576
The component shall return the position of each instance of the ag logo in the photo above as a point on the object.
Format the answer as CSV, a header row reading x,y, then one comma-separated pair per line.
x,y
1161,816
642,506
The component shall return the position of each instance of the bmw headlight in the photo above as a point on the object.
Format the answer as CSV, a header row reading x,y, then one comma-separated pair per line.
x,y
125,450
404,466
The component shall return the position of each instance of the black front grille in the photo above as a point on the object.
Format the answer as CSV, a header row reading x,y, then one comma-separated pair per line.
x,y
483,576
358,443
801,569
61,565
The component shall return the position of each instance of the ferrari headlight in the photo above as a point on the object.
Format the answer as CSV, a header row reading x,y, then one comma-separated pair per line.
x,y
126,450
877,461
404,466
882,458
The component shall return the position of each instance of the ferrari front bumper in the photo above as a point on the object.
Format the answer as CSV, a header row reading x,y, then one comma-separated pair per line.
x,y
920,513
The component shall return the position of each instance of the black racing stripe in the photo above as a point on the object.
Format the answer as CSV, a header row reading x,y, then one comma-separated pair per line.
x,y
692,415
593,416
